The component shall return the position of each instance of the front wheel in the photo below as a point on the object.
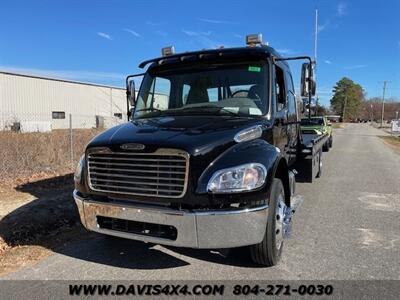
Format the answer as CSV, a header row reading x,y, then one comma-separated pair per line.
x,y
269,251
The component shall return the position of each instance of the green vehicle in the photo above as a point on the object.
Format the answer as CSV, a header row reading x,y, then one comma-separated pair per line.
x,y
320,126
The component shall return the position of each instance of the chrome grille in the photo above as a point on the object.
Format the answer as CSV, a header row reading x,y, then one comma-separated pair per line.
x,y
162,173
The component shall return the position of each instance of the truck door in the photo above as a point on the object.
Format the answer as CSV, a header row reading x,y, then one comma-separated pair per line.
x,y
281,118
292,116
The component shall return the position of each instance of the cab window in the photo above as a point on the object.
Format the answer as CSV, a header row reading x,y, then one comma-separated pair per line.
x,y
291,98
280,88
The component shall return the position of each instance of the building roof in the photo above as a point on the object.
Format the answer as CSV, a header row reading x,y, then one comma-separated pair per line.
x,y
60,80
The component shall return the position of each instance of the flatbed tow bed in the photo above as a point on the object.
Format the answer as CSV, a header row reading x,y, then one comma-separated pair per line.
x,y
310,156
310,140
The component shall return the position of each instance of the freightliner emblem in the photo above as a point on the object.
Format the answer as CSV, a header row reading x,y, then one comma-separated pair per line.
x,y
132,146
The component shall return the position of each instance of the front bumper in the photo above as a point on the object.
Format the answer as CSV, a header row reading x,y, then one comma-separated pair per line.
x,y
195,229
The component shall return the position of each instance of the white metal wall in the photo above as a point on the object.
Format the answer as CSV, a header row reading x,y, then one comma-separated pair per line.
x,y
28,98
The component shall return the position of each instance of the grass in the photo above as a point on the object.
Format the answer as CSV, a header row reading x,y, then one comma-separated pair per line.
x,y
393,141
26,154
337,125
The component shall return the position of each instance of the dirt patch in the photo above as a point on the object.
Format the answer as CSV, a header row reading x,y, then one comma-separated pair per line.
x,y
19,257
37,210
392,141
36,217
50,208
14,258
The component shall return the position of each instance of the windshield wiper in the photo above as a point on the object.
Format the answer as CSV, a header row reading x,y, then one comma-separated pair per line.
x,y
214,107
147,109
192,109
153,113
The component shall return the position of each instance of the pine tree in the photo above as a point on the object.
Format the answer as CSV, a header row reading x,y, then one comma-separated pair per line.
x,y
347,99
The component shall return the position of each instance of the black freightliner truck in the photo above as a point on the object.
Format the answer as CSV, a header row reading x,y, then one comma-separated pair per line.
x,y
209,156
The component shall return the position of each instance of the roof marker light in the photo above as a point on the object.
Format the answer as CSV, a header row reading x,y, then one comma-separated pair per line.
x,y
167,51
254,39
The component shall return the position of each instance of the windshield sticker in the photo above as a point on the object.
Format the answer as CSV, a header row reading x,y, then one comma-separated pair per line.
x,y
254,69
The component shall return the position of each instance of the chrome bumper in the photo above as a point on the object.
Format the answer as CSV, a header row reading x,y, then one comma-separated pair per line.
x,y
195,229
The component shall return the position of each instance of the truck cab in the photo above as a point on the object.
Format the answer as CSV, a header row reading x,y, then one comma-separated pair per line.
x,y
207,159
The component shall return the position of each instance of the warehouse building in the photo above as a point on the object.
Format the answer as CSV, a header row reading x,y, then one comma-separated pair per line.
x,y
32,103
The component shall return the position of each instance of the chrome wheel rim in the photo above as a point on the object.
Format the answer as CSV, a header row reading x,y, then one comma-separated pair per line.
x,y
279,218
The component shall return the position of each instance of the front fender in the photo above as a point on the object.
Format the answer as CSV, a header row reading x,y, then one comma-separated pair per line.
x,y
255,151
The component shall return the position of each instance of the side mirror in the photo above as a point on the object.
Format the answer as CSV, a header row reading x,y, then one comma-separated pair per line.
x,y
307,85
130,92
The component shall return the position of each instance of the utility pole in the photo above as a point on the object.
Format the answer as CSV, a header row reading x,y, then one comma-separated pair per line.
x,y
383,101
316,34
344,108
372,113
315,59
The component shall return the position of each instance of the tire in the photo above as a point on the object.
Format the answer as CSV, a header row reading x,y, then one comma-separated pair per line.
x,y
325,147
269,251
331,142
319,174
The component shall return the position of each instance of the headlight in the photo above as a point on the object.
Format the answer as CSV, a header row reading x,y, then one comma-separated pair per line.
x,y
79,168
238,179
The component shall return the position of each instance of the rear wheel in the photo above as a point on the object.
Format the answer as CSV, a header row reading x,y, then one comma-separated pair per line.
x,y
325,147
269,251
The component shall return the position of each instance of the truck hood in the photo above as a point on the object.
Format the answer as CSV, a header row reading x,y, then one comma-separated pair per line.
x,y
195,134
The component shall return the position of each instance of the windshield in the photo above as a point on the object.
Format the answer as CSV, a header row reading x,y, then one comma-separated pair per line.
x,y
312,121
229,89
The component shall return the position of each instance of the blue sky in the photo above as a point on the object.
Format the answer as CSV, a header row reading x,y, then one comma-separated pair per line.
x,y
103,41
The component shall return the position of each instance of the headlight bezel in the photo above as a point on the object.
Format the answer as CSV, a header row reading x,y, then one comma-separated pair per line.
x,y
79,169
260,168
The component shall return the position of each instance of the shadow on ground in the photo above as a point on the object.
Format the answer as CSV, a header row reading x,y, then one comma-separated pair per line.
x,y
52,210
44,222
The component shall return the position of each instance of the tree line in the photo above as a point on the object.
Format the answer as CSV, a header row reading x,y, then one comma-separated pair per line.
x,y
349,101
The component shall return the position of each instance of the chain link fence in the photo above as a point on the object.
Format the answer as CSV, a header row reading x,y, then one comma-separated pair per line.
x,y
32,144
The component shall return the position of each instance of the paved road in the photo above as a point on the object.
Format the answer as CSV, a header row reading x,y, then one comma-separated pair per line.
x,y
347,228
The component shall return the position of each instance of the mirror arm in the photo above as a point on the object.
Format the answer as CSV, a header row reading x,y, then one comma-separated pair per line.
x,y
309,78
128,92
